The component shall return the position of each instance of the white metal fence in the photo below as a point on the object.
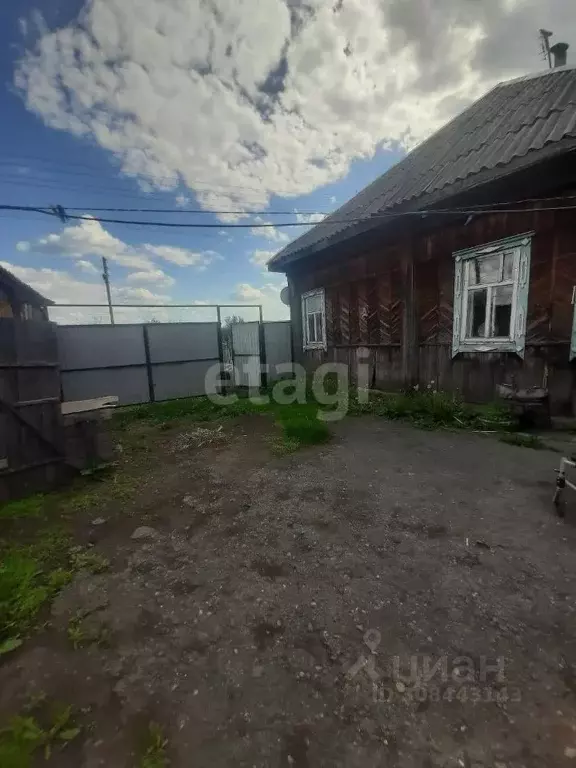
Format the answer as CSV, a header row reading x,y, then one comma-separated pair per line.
x,y
147,362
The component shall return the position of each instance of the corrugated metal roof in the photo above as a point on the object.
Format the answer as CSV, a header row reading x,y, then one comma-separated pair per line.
x,y
513,120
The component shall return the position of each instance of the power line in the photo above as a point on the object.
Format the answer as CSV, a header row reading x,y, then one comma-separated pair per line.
x,y
198,210
135,176
61,213
91,190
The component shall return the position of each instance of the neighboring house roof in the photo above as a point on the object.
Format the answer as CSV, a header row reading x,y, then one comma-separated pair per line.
x,y
522,120
22,290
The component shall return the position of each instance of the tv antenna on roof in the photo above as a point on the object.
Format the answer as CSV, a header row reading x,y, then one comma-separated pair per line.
x,y
545,36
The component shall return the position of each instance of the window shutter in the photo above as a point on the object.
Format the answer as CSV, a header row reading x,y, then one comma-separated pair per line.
x,y
457,311
522,296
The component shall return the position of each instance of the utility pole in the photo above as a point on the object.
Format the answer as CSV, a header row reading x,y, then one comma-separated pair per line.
x,y
106,278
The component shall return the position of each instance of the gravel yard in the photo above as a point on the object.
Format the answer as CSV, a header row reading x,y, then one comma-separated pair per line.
x,y
394,598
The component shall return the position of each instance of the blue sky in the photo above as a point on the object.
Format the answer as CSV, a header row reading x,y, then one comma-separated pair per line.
x,y
248,106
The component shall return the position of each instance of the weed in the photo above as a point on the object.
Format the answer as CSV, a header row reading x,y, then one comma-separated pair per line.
x,y
23,591
95,491
154,748
525,441
282,446
32,575
432,410
193,408
299,423
81,635
76,633
25,735
87,560
33,506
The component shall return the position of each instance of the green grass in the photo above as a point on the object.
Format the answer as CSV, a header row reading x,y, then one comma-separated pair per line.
x,y
28,734
33,506
299,423
433,410
88,560
523,440
80,635
154,748
190,408
30,576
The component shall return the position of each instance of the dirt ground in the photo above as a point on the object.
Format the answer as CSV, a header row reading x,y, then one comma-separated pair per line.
x,y
272,615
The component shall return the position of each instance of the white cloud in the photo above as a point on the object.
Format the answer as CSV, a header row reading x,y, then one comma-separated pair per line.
x,y
127,294
182,201
269,232
261,258
247,292
64,288
182,257
310,218
333,200
156,276
87,266
268,295
89,238
286,93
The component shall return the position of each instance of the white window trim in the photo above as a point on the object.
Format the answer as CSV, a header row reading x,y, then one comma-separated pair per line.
x,y
313,344
521,245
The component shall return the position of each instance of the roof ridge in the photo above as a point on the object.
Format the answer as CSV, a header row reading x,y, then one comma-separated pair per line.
x,y
536,75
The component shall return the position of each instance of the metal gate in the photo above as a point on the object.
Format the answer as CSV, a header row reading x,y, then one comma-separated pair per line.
x,y
248,355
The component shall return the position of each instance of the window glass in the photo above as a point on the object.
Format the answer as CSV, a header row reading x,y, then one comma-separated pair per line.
x,y
485,269
314,303
501,310
319,329
311,328
508,265
476,316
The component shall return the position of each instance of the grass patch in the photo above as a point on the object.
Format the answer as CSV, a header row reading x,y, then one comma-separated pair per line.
x,y
192,408
81,635
299,423
33,506
87,560
434,410
154,748
523,440
30,576
28,734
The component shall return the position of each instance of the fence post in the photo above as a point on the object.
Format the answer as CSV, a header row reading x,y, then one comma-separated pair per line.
x,y
262,346
151,393
220,350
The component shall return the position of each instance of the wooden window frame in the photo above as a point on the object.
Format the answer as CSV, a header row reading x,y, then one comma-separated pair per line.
x,y
521,246
306,343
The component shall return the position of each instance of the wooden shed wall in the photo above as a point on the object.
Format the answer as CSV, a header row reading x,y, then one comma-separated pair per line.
x,y
394,304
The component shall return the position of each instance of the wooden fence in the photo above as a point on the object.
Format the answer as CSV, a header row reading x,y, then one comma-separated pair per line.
x,y
31,429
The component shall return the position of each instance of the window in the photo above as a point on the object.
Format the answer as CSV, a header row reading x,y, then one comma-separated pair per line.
x,y
314,320
491,295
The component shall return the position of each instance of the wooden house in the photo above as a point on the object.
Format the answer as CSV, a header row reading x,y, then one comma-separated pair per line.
x,y
19,301
457,267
